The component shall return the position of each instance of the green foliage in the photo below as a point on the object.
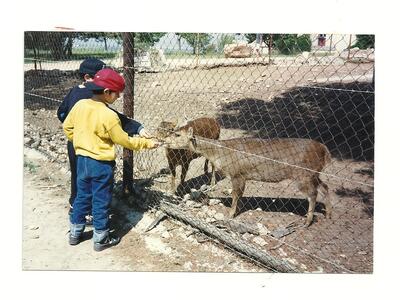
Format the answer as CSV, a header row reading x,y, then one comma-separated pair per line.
x,y
285,43
224,39
59,44
198,41
145,40
291,43
304,42
365,41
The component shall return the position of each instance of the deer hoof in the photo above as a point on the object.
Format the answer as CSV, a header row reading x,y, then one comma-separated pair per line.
x,y
308,222
232,214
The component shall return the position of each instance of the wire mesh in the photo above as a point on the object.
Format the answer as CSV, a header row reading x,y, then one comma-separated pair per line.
x,y
280,112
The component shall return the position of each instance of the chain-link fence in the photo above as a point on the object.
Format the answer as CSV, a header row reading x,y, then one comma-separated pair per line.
x,y
285,119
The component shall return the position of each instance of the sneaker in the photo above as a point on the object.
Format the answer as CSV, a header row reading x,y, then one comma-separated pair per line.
x,y
73,240
107,242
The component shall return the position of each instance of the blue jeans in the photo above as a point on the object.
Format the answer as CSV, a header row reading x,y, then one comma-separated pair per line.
x,y
72,165
95,180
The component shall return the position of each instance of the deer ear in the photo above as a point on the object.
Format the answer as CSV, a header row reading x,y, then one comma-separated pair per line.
x,y
190,132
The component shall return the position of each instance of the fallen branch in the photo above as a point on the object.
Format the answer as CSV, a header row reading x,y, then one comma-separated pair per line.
x,y
229,240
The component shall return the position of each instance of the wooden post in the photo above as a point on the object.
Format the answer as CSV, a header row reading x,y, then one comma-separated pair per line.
x,y
348,55
269,48
129,75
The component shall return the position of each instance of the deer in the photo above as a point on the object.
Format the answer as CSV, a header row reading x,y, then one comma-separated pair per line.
x,y
274,160
204,127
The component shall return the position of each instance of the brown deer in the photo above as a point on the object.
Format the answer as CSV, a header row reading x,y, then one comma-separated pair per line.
x,y
204,127
273,160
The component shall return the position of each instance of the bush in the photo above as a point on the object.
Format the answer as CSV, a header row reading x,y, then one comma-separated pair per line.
x,y
304,43
365,41
291,43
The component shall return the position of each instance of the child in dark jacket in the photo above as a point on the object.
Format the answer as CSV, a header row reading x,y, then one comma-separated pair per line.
x,y
94,130
87,69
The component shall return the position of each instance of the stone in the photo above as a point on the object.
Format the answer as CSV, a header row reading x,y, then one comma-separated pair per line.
x,y
262,230
28,141
204,187
195,194
214,201
186,197
190,203
35,144
219,216
238,50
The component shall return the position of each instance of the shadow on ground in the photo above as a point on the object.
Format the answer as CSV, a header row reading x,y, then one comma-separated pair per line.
x,y
341,116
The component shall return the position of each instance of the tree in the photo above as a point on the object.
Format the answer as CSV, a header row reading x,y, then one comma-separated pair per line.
x,y
145,40
224,39
100,36
285,43
198,41
365,41
58,43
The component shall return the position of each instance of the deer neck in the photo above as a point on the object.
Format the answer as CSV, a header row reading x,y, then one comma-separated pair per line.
x,y
203,146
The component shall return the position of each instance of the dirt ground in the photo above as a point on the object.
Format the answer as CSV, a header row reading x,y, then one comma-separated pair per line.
x,y
171,246
253,101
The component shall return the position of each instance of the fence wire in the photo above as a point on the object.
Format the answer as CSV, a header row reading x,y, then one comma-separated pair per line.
x,y
276,114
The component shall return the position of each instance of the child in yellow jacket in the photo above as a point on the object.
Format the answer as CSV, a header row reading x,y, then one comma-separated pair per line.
x,y
94,130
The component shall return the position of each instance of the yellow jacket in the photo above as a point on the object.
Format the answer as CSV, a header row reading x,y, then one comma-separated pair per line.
x,y
94,129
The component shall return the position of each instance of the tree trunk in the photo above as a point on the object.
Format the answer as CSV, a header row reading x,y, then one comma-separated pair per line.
x,y
68,48
105,44
179,43
129,73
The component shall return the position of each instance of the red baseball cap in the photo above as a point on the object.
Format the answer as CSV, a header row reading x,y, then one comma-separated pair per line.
x,y
107,79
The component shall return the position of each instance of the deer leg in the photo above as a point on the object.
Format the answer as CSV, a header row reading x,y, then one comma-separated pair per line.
x,y
206,167
213,180
238,186
185,168
328,203
309,188
172,168
311,207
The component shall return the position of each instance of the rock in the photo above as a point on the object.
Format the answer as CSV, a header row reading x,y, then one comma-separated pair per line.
x,y
186,197
195,194
190,203
211,212
262,230
247,236
36,144
214,201
219,216
259,241
28,141
239,50
204,187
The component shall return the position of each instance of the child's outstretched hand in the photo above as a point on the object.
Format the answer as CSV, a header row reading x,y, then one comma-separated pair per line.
x,y
144,133
156,143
